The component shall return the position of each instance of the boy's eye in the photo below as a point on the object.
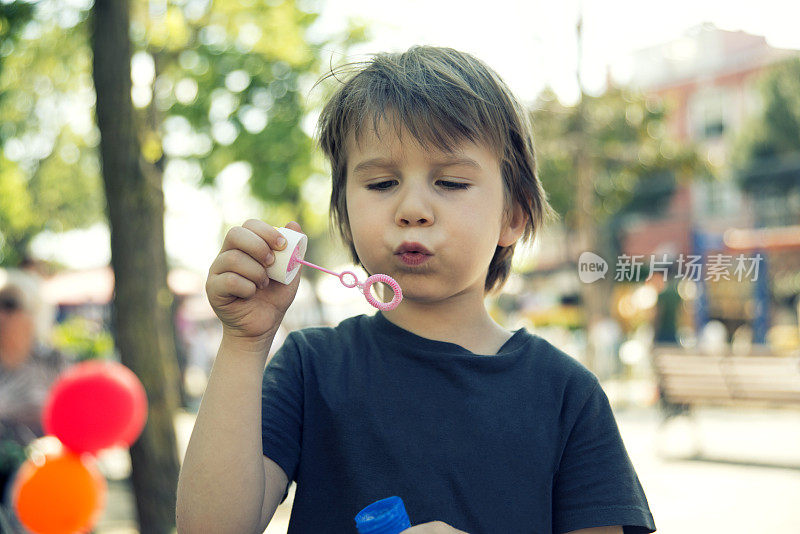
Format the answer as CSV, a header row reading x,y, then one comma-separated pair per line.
x,y
449,184
446,184
381,186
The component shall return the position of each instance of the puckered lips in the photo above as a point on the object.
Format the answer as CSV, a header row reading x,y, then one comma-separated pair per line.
x,y
413,253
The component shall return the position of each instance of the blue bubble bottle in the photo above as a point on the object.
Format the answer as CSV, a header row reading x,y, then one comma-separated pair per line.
x,y
387,516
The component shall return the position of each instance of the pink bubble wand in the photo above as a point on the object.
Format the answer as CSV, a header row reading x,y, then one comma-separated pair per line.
x,y
364,287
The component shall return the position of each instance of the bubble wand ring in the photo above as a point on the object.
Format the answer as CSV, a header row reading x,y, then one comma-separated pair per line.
x,y
365,286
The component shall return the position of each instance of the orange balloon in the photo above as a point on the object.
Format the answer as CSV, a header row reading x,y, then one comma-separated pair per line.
x,y
59,493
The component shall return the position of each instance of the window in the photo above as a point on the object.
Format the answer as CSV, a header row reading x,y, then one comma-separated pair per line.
x,y
708,111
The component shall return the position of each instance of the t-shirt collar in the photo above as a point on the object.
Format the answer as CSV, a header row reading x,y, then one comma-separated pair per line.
x,y
385,327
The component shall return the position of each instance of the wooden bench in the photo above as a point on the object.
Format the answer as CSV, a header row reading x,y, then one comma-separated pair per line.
x,y
686,378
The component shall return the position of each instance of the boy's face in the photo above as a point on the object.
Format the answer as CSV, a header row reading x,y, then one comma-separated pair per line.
x,y
429,219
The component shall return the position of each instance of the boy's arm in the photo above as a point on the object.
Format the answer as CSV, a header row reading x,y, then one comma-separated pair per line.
x,y
274,493
226,484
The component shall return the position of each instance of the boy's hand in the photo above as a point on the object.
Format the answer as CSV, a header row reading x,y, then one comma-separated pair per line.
x,y
250,305
434,527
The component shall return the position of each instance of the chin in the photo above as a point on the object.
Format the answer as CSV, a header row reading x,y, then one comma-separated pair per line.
x,y
420,294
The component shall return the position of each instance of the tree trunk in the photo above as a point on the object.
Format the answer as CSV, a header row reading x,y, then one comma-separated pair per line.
x,y
141,309
593,303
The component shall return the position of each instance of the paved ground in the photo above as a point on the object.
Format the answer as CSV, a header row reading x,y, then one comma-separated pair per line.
x,y
745,479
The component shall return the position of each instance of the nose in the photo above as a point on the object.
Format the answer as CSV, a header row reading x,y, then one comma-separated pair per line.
x,y
414,207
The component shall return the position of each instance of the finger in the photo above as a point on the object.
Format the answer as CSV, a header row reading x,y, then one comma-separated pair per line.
x,y
237,262
229,284
294,226
268,233
244,239
432,526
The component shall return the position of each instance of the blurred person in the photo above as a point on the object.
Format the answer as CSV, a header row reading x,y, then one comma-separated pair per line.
x,y
475,427
668,306
28,367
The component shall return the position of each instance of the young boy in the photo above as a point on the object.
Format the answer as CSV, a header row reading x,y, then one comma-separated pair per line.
x,y
476,428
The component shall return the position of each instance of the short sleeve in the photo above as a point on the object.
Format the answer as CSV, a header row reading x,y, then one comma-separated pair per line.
x,y
282,408
596,484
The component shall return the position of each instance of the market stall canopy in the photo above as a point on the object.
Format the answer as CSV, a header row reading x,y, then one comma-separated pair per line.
x,y
96,286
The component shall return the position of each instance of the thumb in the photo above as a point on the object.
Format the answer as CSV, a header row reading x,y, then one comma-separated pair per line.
x,y
293,226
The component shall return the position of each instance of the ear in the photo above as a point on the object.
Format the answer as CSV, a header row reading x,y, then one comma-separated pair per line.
x,y
513,226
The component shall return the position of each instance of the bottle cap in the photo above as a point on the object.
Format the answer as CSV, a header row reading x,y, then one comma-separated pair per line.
x,y
387,516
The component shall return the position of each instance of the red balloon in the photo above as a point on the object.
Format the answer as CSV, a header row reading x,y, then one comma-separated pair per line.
x,y
95,405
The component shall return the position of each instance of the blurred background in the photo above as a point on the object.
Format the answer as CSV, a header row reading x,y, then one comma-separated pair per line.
x,y
668,140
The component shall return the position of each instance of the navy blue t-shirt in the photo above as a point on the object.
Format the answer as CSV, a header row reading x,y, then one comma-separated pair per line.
x,y
522,441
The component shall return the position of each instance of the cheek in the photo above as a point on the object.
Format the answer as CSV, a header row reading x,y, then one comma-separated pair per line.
x,y
358,223
363,214
353,207
483,225
363,227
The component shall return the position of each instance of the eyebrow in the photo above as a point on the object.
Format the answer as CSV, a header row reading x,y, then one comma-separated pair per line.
x,y
383,163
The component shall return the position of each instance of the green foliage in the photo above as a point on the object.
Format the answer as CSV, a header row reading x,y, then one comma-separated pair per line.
x,y
242,69
82,338
13,18
49,171
623,136
769,145
238,76
16,213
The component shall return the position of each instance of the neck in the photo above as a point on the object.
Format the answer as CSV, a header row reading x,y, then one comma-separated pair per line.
x,y
463,321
